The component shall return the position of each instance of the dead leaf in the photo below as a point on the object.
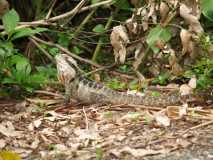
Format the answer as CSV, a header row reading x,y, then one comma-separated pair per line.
x,y
164,10
193,82
162,119
193,21
176,68
34,124
119,40
186,40
2,143
185,90
4,7
176,112
7,129
35,143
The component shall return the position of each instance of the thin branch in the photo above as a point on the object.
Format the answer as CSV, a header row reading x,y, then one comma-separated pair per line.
x,y
100,69
66,51
99,45
83,23
49,93
62,16
108,2
86,119
43,50
50,10
198,126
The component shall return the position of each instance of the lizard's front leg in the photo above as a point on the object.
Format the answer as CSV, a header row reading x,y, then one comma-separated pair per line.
x,y
68,92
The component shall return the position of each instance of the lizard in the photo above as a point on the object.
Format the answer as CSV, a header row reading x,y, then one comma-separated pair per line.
x,y
85,90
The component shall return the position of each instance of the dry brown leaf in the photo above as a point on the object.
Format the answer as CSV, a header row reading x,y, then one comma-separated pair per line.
x,y
193,21
132,26
4,7
144,13
186,40
193,82
35,143
164,10
176,68
35,124
162,119
7,129
119,40
176,112
185,89
2,143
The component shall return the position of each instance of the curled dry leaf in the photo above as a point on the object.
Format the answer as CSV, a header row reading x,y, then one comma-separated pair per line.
x,y
186,40
176,68
192,20
2,143
35,124
132,26
143,13
164,10
185,89
193,82
176,112
119,40
4,7
7,129
162,119
152,11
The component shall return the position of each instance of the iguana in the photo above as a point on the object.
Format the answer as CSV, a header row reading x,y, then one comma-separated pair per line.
x,y
81,88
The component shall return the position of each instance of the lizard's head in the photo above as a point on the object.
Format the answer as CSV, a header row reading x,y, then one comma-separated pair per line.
x,y
67,68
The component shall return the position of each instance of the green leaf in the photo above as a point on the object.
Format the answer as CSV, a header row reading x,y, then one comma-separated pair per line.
x,y
7,46
134,115
122,4
99,153
54,51
7,80
95,1
207,9
22,68
10,20
64,40
2,53
155,94
99,28
24,32
158,33
77,50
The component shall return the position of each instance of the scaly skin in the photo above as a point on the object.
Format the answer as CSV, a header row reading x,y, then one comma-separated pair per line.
x,y
85,90
91,92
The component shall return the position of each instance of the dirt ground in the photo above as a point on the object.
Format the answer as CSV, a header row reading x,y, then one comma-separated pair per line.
x,y
44,128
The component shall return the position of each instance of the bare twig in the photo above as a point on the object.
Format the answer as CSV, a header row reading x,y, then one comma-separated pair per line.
x,y
101,69
198,126
86,119
62,16
50,10
99,45
102,3
49,93
83,23
66,51
43,50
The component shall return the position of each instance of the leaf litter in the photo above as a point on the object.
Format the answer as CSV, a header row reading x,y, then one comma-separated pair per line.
x,y
111,132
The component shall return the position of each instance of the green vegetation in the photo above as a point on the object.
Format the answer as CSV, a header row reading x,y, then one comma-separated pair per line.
x,y
28,63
